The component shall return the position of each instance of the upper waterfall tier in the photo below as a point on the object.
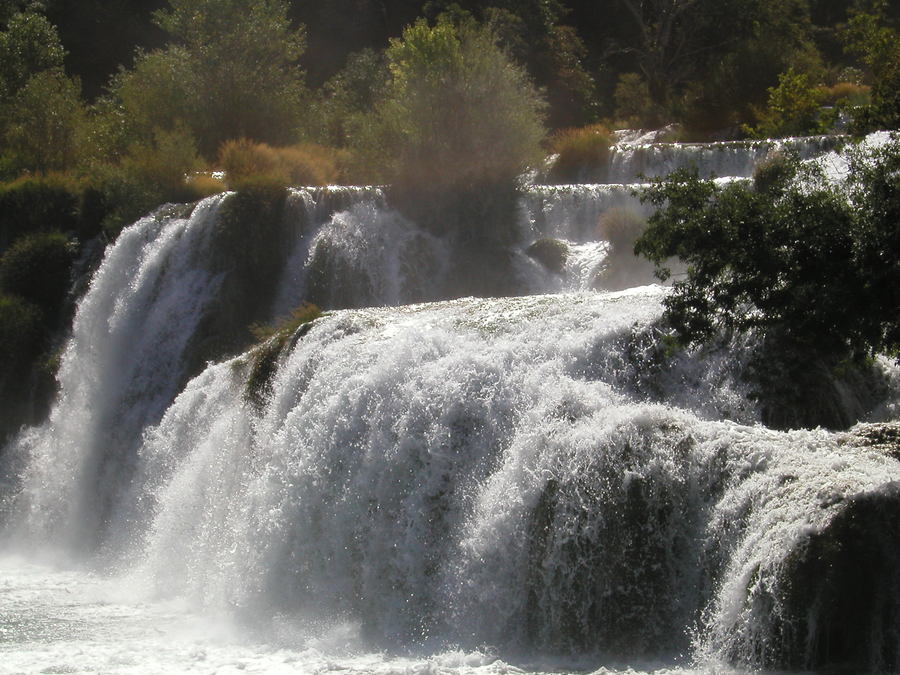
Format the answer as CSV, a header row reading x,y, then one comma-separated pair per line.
x,y
631,161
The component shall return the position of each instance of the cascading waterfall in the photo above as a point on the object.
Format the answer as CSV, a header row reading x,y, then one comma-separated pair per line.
x,y
628,160
437,487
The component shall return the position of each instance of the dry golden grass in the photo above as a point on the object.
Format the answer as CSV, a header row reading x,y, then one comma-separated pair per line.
x,y
852,93
305,164
203,185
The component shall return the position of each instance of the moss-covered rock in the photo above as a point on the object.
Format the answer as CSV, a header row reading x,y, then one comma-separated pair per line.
x,y
839,606
264,358
797,390
882,436
551,253
252,242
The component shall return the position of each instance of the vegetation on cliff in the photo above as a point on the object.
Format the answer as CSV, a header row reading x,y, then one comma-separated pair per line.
x,y
808,265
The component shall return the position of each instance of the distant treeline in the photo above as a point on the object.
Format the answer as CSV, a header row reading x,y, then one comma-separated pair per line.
x,y
705,62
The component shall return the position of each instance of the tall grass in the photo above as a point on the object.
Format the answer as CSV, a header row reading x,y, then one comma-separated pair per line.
x,y
305,164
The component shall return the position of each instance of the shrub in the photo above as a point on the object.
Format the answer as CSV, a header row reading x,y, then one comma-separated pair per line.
x,y
204,184
242,159
794,109
36,268
309,164
37,204
246,161
583,154
846,93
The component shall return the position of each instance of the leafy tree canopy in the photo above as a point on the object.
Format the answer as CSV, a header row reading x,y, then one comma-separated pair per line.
x,y
30,44
792,255
232,71
457,111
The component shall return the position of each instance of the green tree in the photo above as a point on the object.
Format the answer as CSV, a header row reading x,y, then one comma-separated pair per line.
x,y
43,123
794,109
878,46
458,113
231,71
791,256
351,94
29,44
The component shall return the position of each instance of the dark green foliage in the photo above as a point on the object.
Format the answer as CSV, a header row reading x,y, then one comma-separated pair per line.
x,y
22,339
812,268
252,238
774,172
803,258
878,46
28,45
21,335
36,205
37,268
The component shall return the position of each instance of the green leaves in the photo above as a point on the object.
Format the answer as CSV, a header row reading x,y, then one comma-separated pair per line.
x,y
790,254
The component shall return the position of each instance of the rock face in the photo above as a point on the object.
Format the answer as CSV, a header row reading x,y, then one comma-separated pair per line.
x,y
551,253
840,609
883,436
841,606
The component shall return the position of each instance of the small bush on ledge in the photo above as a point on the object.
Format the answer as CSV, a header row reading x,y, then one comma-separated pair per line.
x,y
245,161
583,154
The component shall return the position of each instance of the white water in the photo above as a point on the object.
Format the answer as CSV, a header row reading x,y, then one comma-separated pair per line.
x,y
480,485
629,160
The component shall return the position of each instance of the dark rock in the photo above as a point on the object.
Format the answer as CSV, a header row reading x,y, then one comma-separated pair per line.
x,y
839,609
883,436
551,253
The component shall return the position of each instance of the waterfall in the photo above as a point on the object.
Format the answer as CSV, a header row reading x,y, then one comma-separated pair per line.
x,y
411,483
